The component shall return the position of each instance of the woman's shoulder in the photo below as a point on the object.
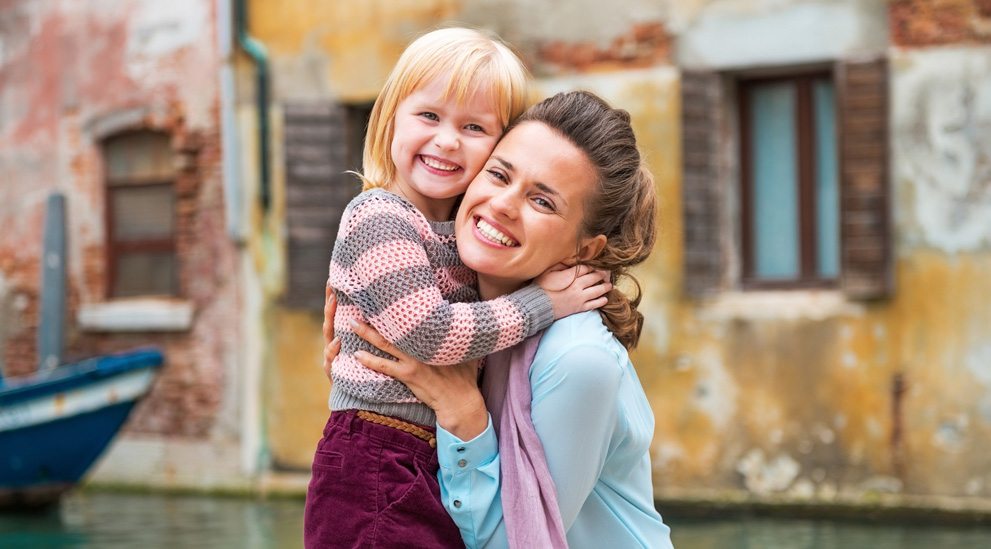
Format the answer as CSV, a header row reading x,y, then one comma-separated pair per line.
x,y
581,345
581,329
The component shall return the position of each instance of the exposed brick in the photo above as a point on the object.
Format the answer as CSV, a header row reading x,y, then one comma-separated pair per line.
x,y
645,45
918,23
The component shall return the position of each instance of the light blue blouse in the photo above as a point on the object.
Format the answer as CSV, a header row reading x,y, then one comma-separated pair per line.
x,y
595,423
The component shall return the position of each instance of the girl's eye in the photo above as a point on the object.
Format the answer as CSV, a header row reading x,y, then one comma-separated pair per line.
x,y
430,116
475,128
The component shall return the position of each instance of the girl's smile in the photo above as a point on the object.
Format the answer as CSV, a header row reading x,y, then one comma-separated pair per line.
x,y
438,146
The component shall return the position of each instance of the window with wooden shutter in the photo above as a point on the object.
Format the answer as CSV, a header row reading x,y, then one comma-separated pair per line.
x,y
814,204
323,141
702,193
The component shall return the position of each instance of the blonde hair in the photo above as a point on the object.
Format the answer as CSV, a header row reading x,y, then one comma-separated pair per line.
x,y
474,63
623,204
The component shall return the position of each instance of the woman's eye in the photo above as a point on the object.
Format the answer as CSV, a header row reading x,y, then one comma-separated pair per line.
x,y
544,203
430,116
497,175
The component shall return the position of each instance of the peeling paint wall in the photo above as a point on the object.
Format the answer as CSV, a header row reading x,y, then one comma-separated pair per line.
x,y
72,74
784,394
803,394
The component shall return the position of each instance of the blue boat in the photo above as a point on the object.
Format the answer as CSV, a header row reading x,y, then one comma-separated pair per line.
x,y
55,423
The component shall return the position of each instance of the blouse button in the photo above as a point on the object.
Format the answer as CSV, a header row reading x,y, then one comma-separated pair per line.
x,y
462,463
457,503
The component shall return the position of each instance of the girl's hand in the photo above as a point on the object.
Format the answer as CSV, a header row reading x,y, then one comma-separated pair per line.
x,y
574,289
451,391
332,345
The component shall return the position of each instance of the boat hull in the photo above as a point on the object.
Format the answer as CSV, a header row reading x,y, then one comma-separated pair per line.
x,y
54,427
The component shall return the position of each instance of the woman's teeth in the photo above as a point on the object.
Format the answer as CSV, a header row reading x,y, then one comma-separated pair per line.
x,y
494,235
439,164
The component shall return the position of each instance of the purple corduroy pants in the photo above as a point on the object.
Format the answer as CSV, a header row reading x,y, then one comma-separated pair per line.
x,y
374,486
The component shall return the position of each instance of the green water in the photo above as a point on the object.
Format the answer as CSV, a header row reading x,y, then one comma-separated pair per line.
x,y
112,521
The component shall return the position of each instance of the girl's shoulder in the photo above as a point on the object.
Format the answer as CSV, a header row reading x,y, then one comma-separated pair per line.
x,y
380,198
379,206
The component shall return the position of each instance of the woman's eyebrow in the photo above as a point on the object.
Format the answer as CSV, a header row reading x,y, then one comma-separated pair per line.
x,y
548,190
505,163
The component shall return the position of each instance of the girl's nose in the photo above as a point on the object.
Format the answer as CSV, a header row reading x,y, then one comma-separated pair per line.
x,y
446,139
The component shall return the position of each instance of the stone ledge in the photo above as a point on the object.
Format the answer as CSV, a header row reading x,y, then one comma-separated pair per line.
x,y
869,506
136,315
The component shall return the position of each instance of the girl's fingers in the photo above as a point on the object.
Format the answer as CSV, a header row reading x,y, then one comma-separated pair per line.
x,y
595,303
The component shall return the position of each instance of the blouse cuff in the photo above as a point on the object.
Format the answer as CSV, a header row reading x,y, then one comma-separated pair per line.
x,y
464,456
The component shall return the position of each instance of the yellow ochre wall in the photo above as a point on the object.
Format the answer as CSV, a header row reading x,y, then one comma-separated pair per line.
x,y
798,394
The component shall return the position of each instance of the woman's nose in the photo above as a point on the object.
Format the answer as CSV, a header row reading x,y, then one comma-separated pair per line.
x,y
505,203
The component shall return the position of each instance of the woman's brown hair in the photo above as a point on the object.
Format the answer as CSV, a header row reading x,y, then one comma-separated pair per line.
x,y
623,205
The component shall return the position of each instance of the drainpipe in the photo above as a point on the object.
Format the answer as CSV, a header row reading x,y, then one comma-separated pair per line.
x,y
256,50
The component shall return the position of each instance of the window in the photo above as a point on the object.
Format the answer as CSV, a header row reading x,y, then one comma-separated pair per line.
x,y
789,192
797,194
139,169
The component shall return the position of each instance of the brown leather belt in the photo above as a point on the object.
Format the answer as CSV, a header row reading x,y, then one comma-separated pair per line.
x,y
406,427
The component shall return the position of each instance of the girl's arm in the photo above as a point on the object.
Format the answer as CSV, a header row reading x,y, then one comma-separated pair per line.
x,y
573,411
381,268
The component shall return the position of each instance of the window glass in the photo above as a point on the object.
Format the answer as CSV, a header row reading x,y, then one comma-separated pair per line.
x,y
143,212
775,215
145,273
827,189
139,156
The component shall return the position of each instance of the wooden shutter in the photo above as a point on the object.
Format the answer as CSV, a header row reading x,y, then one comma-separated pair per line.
x,y
866,239
701,193
317,191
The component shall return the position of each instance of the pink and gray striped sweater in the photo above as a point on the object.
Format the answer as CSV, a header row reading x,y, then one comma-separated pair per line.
x,y
401,273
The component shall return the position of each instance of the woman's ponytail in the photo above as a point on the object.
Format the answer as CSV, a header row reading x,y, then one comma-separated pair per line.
x,y
623,205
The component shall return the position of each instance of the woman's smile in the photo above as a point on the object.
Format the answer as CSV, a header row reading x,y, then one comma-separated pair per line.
x,y
523,212
490,233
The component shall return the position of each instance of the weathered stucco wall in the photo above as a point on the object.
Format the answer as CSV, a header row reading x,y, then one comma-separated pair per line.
x,y
771,394
337,51
774,394
71,74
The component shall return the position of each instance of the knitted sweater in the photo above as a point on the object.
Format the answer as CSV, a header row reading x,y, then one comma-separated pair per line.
x,y
401,273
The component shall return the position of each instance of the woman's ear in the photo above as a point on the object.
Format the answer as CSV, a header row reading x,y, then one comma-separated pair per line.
x,y
591,248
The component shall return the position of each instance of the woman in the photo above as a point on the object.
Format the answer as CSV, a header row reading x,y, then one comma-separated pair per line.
x,y
565,184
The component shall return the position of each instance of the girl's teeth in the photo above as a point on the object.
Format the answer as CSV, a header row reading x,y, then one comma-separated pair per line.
x,y
494,235
438,165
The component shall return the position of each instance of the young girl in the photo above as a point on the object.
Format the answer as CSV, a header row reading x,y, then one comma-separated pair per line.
x,y
396,266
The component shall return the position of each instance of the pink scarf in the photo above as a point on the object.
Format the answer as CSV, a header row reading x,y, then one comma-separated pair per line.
x,y
529,500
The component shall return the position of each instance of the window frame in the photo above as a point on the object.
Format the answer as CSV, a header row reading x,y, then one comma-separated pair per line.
x,y
805,134
115,248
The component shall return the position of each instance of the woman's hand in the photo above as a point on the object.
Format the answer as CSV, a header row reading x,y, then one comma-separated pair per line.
x,y
331,344
451,391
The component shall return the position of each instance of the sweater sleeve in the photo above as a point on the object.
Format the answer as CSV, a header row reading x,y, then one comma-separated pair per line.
x,y
381,264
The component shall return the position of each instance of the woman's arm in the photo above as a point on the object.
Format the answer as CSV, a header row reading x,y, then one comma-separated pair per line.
x,y
574,414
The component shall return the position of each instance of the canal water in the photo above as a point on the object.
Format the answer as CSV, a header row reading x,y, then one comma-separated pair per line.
x,y
117,521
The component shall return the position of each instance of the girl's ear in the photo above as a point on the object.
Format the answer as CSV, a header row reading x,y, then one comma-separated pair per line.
x,y
591,248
